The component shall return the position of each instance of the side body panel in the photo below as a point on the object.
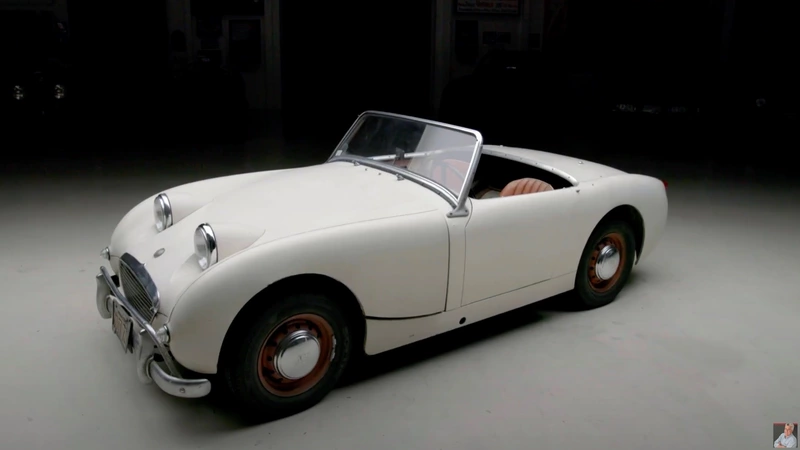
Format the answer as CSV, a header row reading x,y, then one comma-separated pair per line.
x,y
514,242
383,335
396,267
595,200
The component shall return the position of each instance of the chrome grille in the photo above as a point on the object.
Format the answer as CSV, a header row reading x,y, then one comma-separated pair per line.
x,y
138,287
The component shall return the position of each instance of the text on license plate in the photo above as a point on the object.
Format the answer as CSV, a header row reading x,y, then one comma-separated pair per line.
x,y
121,323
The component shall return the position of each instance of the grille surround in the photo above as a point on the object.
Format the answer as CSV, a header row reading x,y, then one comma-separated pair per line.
x,y
138,287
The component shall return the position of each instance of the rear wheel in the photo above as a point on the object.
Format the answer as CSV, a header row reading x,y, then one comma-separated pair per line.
x,y
605,264
288,357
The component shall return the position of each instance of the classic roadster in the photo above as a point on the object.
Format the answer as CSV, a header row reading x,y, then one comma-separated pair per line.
x,y
269,283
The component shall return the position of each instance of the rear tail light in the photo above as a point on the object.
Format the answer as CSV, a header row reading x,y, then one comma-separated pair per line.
x,y
666,185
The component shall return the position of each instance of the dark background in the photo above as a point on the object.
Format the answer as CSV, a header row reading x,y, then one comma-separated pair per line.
x,y
126,94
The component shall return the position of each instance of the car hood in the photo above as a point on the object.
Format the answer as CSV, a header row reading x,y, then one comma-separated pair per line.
x,y
312,198
255,209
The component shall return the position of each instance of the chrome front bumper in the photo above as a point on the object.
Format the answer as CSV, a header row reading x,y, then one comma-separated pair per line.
x,y
146,345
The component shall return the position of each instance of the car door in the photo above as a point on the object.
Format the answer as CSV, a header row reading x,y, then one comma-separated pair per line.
x,y
514,242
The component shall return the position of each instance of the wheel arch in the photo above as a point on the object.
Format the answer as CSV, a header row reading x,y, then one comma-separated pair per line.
x,y
306,283
630,215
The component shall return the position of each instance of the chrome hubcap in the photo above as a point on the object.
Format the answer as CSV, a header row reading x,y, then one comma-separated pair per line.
x,y
297,355
607,262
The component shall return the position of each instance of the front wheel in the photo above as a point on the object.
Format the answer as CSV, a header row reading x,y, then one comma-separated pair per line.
x,y
605,264
288,357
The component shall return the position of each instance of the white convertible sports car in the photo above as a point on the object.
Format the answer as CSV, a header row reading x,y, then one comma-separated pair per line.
x,y
268,283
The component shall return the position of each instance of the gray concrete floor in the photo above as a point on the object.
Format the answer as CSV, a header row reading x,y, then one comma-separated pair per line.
x,y
700,350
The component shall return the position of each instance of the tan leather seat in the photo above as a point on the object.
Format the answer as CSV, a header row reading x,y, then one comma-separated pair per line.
x,y
525,186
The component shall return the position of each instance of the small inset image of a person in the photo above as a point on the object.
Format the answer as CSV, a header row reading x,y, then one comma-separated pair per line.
x,y
785,434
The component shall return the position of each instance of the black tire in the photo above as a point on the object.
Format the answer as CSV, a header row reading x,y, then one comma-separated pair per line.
x,y
592,292
255,387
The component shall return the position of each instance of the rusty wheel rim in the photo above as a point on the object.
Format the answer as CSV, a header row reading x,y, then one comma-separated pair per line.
x,y
275,380
602,284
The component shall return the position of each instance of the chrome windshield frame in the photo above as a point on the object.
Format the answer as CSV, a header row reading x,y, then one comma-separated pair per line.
x,y
459,203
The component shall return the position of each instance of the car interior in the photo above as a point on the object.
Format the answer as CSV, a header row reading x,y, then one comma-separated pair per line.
x,y
501,177
496,176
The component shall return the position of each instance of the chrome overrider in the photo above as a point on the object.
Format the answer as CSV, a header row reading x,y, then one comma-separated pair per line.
x,y
147,344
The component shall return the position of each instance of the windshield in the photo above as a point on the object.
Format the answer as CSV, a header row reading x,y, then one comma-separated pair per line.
x,y
436,152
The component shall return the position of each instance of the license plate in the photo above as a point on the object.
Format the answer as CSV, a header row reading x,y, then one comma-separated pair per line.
x,y
121,324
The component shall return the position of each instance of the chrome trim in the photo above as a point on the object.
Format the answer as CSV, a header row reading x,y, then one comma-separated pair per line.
x,y
162,201
103,291
163,334
106,254
117,296
400,172
144,279
146,344
179,387
297,355
459,209
210,239
607,262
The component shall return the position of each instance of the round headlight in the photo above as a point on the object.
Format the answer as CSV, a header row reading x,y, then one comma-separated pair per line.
x,y
163,212
205,246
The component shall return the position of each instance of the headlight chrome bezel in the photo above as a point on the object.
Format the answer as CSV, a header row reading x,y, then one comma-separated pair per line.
x,y
162,212
205,246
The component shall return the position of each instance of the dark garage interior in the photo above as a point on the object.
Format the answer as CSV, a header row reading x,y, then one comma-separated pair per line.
x,y
106,103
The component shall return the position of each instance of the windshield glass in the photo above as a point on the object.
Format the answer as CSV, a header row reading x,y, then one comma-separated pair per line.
x,y
437,153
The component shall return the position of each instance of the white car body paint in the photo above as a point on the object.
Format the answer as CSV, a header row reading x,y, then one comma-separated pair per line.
x,y
415,271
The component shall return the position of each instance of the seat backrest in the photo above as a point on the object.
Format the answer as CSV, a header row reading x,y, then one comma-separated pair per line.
x,y
525,186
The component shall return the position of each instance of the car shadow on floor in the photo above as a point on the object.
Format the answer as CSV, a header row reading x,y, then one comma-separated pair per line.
x,y
418,352
376,366
371,367
214,414
437,346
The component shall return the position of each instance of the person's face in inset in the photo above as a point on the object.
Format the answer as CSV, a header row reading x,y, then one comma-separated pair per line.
x,y
787,430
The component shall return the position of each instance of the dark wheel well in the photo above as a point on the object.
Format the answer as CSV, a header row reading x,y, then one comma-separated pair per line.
x,y
309,284
632,217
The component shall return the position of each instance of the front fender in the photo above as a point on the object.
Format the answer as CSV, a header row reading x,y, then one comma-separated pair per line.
x,y
645,193
396,267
